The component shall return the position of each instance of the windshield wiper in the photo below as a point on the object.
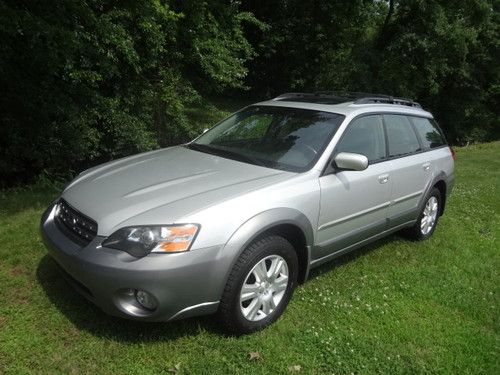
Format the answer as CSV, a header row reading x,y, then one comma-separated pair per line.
x,y
224,153
197,147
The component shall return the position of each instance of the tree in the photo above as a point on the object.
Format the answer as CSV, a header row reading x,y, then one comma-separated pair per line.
x,y
442,53
89,81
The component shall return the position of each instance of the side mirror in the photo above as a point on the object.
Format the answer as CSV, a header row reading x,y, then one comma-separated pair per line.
x,y
350,161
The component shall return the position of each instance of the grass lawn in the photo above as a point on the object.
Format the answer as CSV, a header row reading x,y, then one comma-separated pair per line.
x,y
393,307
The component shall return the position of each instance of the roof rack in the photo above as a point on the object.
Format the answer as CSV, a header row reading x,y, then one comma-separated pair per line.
x,y
333,97
388,100
316,97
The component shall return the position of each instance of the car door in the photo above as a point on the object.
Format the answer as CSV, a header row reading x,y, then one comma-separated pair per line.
x,y
411,168
353,204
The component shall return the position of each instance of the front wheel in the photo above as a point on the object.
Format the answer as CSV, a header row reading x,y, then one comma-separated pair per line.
x,y
259,286
428,218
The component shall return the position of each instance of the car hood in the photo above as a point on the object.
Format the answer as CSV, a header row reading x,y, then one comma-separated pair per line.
x,y
170,182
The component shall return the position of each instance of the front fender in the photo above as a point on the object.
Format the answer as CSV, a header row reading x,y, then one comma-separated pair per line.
x,y
256,226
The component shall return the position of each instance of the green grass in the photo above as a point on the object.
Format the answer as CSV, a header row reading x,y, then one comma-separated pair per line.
x,y
393,307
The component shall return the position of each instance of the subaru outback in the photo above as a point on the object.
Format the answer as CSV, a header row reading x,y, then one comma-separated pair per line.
x,y
231,222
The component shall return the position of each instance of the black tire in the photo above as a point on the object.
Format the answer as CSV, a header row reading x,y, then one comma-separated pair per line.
x,y
415,232
230,314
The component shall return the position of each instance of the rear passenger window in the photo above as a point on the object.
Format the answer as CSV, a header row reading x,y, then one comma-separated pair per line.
x,y
400,135
428,132
365,136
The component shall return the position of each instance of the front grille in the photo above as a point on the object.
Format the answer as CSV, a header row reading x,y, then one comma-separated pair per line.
x,y
74,224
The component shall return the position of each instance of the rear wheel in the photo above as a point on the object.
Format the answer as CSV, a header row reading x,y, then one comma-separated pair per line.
x,y
259,286
428,218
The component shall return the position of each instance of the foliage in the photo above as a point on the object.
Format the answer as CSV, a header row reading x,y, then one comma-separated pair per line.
x,y
394,307
88,81
85,82
442,53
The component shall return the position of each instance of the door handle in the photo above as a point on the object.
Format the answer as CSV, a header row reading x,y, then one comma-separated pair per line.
x,y
383,178
426,166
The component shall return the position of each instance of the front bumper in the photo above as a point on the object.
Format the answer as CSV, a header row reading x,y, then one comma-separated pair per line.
x,y
183,284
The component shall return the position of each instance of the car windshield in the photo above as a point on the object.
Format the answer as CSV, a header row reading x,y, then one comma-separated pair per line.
x,y
289,139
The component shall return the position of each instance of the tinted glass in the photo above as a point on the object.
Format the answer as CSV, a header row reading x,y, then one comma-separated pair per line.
x,y
250,127
400,135
428,132
365,136
276,137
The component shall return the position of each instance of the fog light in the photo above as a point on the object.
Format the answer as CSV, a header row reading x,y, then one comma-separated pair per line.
x,y
145,299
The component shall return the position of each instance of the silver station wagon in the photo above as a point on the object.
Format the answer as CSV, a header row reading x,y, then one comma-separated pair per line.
x,y
232,221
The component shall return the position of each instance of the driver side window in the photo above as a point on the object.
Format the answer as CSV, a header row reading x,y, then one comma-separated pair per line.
x,y
364,135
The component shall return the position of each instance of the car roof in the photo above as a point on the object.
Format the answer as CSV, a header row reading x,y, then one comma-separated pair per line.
x,y
350,105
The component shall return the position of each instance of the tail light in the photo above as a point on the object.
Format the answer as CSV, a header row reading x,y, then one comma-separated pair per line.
x,y
453,155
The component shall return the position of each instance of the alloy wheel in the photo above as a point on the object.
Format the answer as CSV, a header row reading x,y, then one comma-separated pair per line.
x,y
264,288
429,215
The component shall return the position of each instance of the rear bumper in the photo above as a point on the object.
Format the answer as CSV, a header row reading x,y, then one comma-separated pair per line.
x,y
450,183
184,284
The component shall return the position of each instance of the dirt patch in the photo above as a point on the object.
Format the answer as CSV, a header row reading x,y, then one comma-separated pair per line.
x,y
18,295
18,271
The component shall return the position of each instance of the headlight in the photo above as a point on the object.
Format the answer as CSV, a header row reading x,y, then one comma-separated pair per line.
x,y
142,240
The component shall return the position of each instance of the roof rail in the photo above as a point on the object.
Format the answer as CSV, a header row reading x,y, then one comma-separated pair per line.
x,y
334,97
306,95
320,97
387,100
351,94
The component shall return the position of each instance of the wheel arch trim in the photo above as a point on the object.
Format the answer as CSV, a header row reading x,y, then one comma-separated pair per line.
x,y
262,223
440,177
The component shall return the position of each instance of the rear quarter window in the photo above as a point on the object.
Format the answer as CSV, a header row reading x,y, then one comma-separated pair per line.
x,y
429,133
401,137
